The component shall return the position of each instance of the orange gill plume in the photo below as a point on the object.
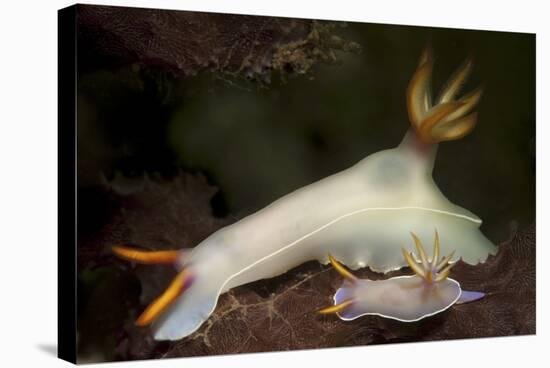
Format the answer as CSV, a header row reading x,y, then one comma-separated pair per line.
x,y
448,117
434,270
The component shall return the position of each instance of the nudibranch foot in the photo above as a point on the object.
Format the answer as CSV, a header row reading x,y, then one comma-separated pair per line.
x,y
469,296
404,298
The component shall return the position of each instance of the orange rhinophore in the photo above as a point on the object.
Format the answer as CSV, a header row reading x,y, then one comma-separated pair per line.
x,y
178,285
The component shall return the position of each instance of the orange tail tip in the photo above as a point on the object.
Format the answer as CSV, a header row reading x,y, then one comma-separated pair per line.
x,y
146,257
180,283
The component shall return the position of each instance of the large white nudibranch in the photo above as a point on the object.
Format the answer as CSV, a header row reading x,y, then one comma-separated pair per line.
x,y
362,216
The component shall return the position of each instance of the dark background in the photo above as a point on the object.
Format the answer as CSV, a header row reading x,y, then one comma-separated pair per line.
x,y
258,135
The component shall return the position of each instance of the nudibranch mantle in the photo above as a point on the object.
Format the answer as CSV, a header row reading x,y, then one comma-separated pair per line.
x,y
361,215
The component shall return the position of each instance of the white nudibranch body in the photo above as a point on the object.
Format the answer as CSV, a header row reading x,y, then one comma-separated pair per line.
x,y
402,298
362,216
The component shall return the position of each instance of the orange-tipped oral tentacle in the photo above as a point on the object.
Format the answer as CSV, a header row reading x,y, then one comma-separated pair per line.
x,y
341,270
146,257
348,276
336,308
180,283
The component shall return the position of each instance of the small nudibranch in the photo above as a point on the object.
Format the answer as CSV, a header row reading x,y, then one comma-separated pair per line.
x,y
404,298
361,215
